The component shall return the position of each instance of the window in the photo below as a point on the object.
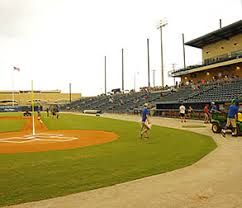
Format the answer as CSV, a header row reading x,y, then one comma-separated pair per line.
x,y
193,75
237,54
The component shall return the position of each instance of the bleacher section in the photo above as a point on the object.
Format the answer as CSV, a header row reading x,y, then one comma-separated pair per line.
x,y
119,103
176,96
219,92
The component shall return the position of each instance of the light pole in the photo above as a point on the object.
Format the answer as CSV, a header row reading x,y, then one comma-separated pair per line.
x,y
173,69
153,77
122,69
70,91
184,54
148,60
105,75
135,73
160,26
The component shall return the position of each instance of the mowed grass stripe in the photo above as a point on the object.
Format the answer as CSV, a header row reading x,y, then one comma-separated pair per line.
x,y
35,176
11,125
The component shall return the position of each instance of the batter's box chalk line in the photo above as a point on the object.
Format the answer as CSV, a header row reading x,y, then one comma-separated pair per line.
x,y
38,137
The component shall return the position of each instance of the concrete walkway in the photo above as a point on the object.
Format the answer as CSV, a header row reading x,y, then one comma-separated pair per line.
x,y
213,182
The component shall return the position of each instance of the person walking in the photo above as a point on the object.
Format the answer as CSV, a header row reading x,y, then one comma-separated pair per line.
x,y
145,125
182,111
231,118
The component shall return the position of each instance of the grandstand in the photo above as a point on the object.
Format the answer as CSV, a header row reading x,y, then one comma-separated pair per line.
x,y
23,97
218,79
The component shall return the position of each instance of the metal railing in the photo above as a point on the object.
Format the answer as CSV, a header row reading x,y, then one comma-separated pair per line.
x,y
214,60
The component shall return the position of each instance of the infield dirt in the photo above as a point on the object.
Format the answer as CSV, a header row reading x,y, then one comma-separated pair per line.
x,y
23,141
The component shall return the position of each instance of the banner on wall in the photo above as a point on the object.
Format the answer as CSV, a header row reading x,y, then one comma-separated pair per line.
x,y
15,108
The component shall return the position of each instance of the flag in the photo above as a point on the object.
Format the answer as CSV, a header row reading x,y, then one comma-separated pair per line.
x,y
16,68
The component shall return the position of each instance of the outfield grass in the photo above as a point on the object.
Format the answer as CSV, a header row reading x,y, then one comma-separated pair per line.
x,y
11,114
11,125
34,176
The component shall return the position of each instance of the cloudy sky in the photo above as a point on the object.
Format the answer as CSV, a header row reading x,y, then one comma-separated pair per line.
x,y
55,42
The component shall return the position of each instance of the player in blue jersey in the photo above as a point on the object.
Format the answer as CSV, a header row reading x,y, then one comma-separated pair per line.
x,y
232,117
145,125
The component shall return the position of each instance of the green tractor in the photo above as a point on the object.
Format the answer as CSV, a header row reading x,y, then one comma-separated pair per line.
x,y
219,120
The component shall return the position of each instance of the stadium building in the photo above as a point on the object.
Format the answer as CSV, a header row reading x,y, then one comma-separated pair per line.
x,y
217,79
44,97
221,55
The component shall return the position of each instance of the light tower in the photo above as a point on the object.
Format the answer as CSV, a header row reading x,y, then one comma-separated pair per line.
x,y
162,24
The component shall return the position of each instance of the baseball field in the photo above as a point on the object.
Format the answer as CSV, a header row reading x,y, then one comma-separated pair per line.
x,y
78,153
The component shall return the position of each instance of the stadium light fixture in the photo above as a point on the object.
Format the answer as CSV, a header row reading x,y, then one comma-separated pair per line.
x,y
162,24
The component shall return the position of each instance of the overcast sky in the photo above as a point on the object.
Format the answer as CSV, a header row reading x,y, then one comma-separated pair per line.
x,y
55,42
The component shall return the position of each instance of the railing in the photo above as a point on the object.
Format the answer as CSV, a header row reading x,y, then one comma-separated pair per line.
x,y
214,60
167,113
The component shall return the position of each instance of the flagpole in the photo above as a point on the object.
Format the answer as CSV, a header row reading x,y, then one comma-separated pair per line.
x,y
12,88
18,69
32,96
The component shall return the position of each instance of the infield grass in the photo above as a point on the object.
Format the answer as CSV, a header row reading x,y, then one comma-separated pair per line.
x,y
28,177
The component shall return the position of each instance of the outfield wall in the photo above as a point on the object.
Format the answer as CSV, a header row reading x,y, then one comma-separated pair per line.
x,y
16,108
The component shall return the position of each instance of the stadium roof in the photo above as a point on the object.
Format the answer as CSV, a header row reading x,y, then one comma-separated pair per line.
x,y
223,33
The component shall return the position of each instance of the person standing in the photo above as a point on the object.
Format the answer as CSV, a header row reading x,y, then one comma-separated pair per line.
x,y
38,115
57,111
182,111
206,114
214,108
145,125
190,112
47,111
231,117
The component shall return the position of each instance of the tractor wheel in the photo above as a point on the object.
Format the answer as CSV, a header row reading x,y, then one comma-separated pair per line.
x,y
216,128
236,131
239,130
